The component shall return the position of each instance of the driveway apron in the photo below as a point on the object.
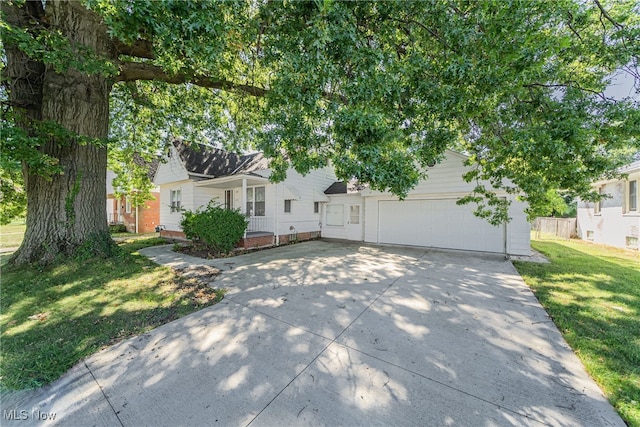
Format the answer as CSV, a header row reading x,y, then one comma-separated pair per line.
x,y
334,333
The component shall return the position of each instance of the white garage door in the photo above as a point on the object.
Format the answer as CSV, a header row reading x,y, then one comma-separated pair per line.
x,y
437,223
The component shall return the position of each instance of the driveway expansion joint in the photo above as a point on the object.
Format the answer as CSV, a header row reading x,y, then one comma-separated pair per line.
x,y
103,393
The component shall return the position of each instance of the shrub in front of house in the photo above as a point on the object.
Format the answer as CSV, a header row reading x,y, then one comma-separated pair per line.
x,y
117,228
218,228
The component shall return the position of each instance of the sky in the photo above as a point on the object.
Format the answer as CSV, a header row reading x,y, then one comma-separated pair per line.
x,y
622,86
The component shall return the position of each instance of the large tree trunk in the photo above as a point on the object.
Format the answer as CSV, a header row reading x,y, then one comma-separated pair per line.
x,y
68,211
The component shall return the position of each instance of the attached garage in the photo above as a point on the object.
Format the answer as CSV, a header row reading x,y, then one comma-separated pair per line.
x,y
428,217
438,223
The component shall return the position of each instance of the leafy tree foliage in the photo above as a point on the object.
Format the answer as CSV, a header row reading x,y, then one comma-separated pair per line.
x,y
380,89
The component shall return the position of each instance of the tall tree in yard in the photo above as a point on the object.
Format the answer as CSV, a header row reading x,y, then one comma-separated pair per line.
x,y
381,89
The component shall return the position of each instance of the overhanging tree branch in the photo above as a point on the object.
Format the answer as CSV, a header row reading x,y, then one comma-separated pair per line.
x,y
604,13
568,84
139,48
131,71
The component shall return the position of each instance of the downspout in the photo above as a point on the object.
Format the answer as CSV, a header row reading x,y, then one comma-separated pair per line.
x,y
504,238
275,215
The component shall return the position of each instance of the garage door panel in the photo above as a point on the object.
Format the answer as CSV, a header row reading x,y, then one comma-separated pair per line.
x,y
437,223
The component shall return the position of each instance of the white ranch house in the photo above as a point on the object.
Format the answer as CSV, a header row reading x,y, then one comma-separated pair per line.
x,y
614,221
306,207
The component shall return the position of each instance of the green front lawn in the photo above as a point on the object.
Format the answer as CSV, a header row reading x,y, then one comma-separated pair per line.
x,y
52,318
592,293
11,234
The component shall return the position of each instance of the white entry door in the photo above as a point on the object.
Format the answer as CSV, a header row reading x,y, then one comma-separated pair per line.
x,y
354,222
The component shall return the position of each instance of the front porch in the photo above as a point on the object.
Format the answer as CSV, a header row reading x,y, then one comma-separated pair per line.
x,y
260,224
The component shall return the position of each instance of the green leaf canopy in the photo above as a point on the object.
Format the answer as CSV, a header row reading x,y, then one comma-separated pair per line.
x,y
379,89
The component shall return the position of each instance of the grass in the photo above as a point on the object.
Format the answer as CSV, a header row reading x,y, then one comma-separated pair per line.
x,y
11,234
52,318
592,293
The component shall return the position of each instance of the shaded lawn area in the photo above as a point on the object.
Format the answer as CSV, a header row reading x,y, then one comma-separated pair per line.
x,y
52,318
592,293
11,235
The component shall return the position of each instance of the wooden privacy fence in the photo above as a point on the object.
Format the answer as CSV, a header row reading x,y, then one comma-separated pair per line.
x,y
555,228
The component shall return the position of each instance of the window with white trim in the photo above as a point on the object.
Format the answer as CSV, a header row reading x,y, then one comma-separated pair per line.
x,y
316,207
256,201
287,206
354,214
127,205
631,196
176,200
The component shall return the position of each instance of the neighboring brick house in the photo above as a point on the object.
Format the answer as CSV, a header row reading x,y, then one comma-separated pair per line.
x,y
141,219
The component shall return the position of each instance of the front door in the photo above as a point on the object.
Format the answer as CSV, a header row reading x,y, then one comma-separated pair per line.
x,y
354,222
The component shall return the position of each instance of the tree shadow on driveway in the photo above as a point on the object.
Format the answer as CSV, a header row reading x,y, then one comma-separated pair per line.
x,y
326,333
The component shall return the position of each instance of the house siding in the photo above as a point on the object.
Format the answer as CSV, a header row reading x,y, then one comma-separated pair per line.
x,y
171,170
611,226
301,218
342,232
171,220
518,229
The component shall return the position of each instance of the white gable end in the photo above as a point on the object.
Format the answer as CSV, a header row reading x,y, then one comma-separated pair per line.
x,y
170,169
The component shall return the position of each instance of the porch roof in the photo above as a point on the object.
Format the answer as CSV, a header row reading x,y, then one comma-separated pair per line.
x,y
232,181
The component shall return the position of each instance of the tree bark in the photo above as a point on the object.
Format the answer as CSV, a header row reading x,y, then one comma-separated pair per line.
x,y
68,212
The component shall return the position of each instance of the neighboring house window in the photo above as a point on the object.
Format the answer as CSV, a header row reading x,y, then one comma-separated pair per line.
x,y
596,209
228,199
255,201
127,205
287,206
316,207
335,215
176,200
632,196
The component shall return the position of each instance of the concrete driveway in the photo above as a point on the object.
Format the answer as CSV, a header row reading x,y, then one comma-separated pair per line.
x,y
330,333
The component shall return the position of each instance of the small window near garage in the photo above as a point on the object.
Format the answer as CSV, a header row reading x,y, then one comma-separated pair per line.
x,y
316,207
127,205
632,242
176,200
589,234
354,214
287,206
335,215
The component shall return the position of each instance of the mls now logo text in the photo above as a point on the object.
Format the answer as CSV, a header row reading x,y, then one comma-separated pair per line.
x,y
23,415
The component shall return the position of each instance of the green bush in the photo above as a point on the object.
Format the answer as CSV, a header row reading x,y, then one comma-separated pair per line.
x,y
218,228
117,228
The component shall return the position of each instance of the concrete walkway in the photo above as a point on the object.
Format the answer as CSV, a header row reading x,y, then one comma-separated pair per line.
x,y
326,333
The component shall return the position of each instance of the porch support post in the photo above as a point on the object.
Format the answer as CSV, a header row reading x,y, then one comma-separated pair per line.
x,y
243,208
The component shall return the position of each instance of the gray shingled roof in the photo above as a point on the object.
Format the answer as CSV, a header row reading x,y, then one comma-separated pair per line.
x,y
341,187
214,162
152,165
337,188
